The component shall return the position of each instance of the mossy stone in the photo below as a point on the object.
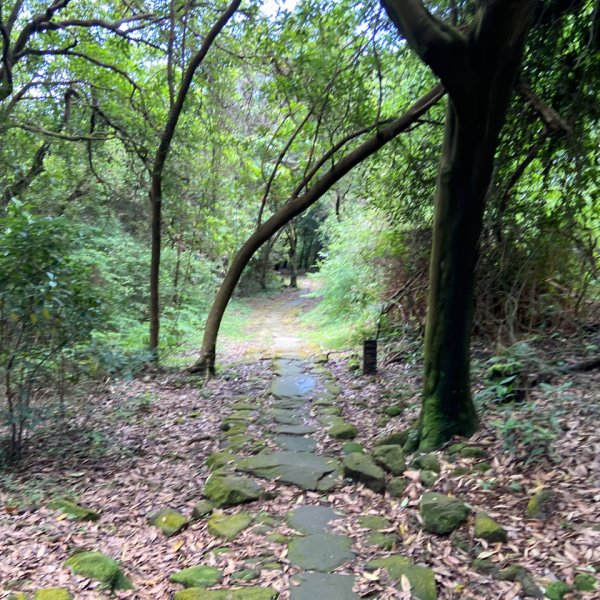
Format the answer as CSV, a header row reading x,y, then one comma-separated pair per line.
x,y
585,582
394,410
460,471
390,458
374,522
99,567
396,487
421,579
351,447
442,514
271,566
219,460
397,438
487,529
456,448
169,521
74,510
482,467
53,594
542,504
331,410
427,462
202,508
247,593
228,526
522,575
231,490
361,468
245,575
342,430
472,452
485,566
385,541
557,590
197,576
277,538
428,478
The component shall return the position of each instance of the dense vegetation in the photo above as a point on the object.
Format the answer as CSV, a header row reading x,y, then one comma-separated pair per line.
x,y
143,144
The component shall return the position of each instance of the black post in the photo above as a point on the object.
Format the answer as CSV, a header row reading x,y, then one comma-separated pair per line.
x,y
369,357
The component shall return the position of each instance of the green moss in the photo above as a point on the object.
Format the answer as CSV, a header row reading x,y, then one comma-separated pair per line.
x,y
350,447
374,522
396,487
53,594
585,582
73,510
428,478
231,490
249,593
421,579
361,468
202,508
542,504
557,590
397,438
487,529
342,430
428,462
99,567
394,410
169,521
442,514
197,576
485,566
390,458
472,452
228,526
385,541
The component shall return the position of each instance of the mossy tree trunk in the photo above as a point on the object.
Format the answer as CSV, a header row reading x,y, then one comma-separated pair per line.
x,y
478,69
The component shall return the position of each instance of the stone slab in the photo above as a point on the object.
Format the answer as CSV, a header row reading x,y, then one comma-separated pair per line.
x,y
312,518
321,552
314,586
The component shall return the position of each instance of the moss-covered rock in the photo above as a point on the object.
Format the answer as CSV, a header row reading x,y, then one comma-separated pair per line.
x,y
220,460
396,487
487,529
455,448
198,576
542,504
248,593
244,575
485,566
53,594
202,508
442,514
390,458
397,438
277,538
374,522
428,478
557,590
523,576
472,452
342,430
231,490
99,567
421,579
169,521
427,462
585,582
228,526
361,468
394,410
350,447
385,541
331,410
73,510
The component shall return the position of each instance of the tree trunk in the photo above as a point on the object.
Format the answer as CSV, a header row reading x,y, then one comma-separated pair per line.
x,y
297,205
158,166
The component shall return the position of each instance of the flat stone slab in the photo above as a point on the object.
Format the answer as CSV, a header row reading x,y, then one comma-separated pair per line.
x,y
320,552
310,518
299,468
320,585
293,429
294,386
296,443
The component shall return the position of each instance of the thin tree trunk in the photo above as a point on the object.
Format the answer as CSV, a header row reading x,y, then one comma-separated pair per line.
x,y
158,167
297,205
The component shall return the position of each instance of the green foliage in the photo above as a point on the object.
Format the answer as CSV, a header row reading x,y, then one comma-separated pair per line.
x,y
48,309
